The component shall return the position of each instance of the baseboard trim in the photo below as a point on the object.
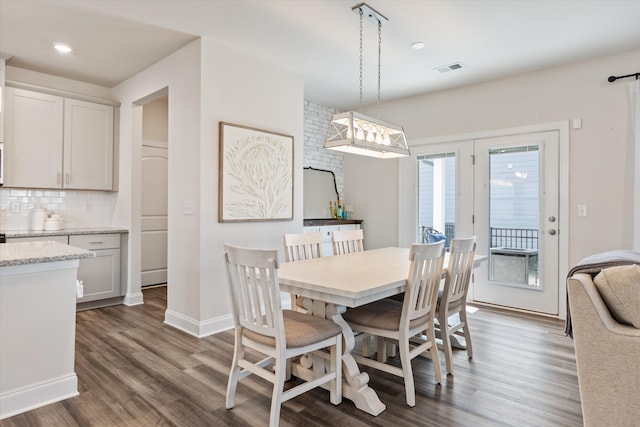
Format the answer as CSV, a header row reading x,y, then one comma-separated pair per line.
x,y
34,396
199,329
133,299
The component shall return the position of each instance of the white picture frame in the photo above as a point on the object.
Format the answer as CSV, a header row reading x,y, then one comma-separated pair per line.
x,y
255,175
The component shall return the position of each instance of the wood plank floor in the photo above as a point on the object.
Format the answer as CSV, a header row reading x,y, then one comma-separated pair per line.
x,y
135,371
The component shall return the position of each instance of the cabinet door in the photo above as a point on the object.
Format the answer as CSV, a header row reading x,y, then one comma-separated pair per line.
x,y
88,145
33,126
100,276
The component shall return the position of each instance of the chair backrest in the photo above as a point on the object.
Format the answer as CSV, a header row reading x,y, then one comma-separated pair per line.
x,y
459,271
301,246
255,291
347,241
424,279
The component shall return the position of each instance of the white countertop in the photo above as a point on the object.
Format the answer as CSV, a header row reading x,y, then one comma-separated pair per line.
x,y
39,252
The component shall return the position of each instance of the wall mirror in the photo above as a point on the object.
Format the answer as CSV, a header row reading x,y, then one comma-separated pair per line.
x,y
319,188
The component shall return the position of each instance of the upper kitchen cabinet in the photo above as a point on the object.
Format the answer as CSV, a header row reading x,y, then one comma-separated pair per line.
x,y
57,142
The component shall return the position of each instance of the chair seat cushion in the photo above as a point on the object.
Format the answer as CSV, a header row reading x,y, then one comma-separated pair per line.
x,y
620,290
300,330
382,314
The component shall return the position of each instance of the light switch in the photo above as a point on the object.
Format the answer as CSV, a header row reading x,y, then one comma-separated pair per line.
x,y
187,207
577,123
582,210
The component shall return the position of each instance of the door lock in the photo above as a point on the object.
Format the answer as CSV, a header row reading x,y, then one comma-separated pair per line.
x,y
552,218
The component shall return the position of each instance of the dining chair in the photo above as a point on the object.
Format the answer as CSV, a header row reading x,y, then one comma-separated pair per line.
x,y
452,299
347,241
300,247
262,325
394,321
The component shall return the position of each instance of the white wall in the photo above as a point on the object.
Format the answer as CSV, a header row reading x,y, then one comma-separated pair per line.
x,y
601,153
207,83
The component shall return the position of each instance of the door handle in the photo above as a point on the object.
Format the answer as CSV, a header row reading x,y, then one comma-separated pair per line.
x,y
552,232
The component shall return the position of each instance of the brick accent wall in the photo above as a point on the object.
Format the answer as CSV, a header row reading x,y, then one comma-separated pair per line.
x,y
316,123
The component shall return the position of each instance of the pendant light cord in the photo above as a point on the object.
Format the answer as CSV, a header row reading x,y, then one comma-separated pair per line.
x,y
361,15
379,62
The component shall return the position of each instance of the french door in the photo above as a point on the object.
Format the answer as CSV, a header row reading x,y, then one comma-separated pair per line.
x,y
516,210
505,191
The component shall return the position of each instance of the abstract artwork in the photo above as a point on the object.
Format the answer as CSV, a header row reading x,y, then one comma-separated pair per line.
x,y
255,175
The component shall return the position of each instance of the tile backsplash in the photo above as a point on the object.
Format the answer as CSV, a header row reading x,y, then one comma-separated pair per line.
x,y
79,209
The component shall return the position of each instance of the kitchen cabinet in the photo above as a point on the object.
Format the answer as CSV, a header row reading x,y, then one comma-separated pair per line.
x,y
100,276
3,59
326,230
57,142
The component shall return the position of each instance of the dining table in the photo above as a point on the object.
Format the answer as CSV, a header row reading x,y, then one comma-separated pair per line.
x,y
331,285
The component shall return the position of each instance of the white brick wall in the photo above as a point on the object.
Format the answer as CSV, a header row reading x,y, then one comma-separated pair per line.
x,y
316,123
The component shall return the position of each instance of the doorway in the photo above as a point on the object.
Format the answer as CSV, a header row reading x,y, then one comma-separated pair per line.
x,y
504,187
154,195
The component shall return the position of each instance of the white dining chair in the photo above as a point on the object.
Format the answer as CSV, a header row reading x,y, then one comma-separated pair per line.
x,y
300,247
347,241
452,299
397,322
262,325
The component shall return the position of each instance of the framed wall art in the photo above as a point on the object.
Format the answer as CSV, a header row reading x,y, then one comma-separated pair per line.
x,y
255,175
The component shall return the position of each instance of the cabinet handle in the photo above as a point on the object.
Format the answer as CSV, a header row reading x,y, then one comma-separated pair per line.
x,y
67,178
96,243
58,178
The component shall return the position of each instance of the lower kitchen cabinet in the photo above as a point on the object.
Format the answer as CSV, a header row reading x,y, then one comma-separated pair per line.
x,y
100,276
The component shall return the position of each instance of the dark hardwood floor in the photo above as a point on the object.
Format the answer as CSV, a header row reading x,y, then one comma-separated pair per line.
x,y
135,371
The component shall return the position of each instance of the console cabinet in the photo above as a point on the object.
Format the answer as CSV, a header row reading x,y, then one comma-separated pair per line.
x,y
57,142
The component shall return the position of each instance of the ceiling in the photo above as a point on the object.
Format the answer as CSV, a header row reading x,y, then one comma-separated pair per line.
x,y
319,39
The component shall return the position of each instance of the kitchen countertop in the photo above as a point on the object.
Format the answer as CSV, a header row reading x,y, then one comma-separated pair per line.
x,y
39,252
64,232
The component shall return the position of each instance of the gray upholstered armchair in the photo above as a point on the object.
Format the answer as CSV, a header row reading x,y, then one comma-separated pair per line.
x,y
605,317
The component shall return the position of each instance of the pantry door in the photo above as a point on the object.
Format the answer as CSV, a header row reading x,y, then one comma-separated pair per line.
x,y
516,220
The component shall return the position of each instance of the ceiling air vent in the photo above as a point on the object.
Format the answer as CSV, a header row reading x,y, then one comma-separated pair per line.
x,y
450,67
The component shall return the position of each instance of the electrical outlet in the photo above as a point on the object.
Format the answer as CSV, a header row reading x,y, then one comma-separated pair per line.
x,y
15,207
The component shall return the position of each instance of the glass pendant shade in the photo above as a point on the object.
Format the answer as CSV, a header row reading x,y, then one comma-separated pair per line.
x,y
355,133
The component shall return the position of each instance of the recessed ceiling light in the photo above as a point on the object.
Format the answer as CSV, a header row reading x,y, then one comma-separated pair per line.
x,y
62,48
417,45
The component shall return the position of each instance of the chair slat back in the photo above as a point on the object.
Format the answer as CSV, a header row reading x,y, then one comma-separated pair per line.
x,y
302,246
424,279
347,241
255,291
459,271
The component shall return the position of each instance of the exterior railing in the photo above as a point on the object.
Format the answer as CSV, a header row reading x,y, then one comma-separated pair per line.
x,y
514,238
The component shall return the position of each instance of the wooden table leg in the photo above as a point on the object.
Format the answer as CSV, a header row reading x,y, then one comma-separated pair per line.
x,y
355,385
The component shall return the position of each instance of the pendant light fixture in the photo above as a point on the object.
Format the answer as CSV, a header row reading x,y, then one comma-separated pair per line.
x,y
355,133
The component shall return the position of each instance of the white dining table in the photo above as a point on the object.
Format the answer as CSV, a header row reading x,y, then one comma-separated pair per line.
x,y
332,284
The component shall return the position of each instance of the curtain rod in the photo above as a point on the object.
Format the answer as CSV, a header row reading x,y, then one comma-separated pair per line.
x,y
614,78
